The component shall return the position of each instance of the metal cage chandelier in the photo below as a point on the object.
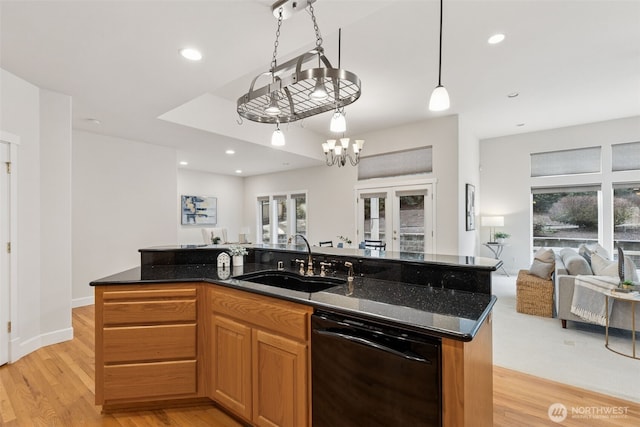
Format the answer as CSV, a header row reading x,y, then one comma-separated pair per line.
x,y
293,93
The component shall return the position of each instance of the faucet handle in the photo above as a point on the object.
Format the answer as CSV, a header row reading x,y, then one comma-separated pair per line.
x,y
301,262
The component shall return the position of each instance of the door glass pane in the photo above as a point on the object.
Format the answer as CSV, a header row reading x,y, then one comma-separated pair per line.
x,y
565,218
412,223
626,221
374,217
300,203
264,220
281,206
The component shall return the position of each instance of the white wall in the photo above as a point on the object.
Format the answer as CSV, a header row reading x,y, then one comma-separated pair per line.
x,y
468,173
506,182
42,121
55,218
229,193
331,200
124,199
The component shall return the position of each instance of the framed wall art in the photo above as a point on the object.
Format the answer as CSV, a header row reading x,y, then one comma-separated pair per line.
x,y
470,213
199,210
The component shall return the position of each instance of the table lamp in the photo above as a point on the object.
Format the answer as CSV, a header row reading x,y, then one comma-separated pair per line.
x,y
492,222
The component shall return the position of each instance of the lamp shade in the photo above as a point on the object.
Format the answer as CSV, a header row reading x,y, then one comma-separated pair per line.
x,y
277,138
439,100
338,122
492,221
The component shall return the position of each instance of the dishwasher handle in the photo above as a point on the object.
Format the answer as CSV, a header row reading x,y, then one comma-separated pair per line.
x,y
410,356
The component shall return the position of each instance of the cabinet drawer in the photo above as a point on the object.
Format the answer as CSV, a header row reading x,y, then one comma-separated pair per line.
x,y
150,379
148,312
149,343
268,313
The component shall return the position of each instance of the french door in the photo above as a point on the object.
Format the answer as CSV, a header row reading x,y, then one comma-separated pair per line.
x,y
402,216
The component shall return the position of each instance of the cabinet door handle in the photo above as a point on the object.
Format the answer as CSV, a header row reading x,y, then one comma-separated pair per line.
x,y
369,343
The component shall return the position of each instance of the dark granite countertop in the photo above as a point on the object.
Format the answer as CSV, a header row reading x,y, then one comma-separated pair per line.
x,y
434,311
478,263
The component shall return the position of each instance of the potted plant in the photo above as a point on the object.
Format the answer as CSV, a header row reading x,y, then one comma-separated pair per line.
x,y
500,236
237,254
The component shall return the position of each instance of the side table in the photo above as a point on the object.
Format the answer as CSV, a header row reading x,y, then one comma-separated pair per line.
x,y
496,249
632,300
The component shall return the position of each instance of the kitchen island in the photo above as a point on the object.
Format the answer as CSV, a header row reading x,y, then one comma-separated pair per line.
x,y
178,329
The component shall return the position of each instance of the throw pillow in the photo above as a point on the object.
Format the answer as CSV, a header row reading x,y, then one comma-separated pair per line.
x,y
576,264
599,264
595,248
604,267
544,262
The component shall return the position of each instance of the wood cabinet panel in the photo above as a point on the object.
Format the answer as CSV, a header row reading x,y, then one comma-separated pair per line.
x,y
280,380
148,294
149,343
269,313
138,312
149,379
231,370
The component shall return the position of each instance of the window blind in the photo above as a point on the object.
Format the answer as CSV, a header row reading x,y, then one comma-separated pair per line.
x,y
625,157
397,163
566,162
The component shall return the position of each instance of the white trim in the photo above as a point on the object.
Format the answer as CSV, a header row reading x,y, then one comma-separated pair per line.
x,y
13,141
81,302
393,182
20,349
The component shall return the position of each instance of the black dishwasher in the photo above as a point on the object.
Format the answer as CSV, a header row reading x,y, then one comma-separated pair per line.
x,y
369,374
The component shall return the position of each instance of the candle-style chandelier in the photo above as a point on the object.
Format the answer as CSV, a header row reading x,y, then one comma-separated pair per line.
x,y
338,154
294,93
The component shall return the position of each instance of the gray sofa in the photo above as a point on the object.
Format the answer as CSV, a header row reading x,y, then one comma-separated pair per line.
x,y
568,265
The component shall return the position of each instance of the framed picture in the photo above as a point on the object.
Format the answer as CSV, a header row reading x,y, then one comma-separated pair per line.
x,y
199,210
471,207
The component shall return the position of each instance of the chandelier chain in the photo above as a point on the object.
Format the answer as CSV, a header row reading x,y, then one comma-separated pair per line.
x,y
274,61
315,26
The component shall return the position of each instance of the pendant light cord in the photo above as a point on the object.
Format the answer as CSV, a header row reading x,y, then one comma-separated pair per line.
x,y
440,53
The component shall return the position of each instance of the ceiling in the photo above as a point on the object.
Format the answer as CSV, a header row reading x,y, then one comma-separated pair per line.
x,y
571,62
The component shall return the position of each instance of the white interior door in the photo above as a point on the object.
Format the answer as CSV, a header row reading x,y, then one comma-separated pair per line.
x,y
401,216
5,260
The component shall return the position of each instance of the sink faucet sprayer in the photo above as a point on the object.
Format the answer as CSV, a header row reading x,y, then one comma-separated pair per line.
x,y
310,262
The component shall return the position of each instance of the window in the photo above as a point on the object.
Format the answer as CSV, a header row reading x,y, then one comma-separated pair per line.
x,y
280,216
300,206
565,216
264,217
626,219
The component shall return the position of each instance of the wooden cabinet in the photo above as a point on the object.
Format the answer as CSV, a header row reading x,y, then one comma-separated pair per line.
x,y
146,343
260,358
231,365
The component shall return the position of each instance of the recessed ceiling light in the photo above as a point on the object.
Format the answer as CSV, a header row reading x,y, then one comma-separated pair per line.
x,y
513,94
496,38
183,163
520,125
238,171
230,152
93,121
191,54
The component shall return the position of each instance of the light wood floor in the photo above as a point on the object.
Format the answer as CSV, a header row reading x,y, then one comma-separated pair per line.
x,y
54,387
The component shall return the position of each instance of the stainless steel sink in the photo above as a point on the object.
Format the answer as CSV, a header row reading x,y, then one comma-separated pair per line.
x,y
289,280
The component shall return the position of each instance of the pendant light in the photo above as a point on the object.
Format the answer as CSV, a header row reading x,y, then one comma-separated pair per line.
x,y
338,122
439,97
277,137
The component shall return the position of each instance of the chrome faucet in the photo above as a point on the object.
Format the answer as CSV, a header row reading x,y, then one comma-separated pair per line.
x,y
310,262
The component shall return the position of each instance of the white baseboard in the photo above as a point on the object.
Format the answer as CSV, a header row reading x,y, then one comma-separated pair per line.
x,y
19,349
81,302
